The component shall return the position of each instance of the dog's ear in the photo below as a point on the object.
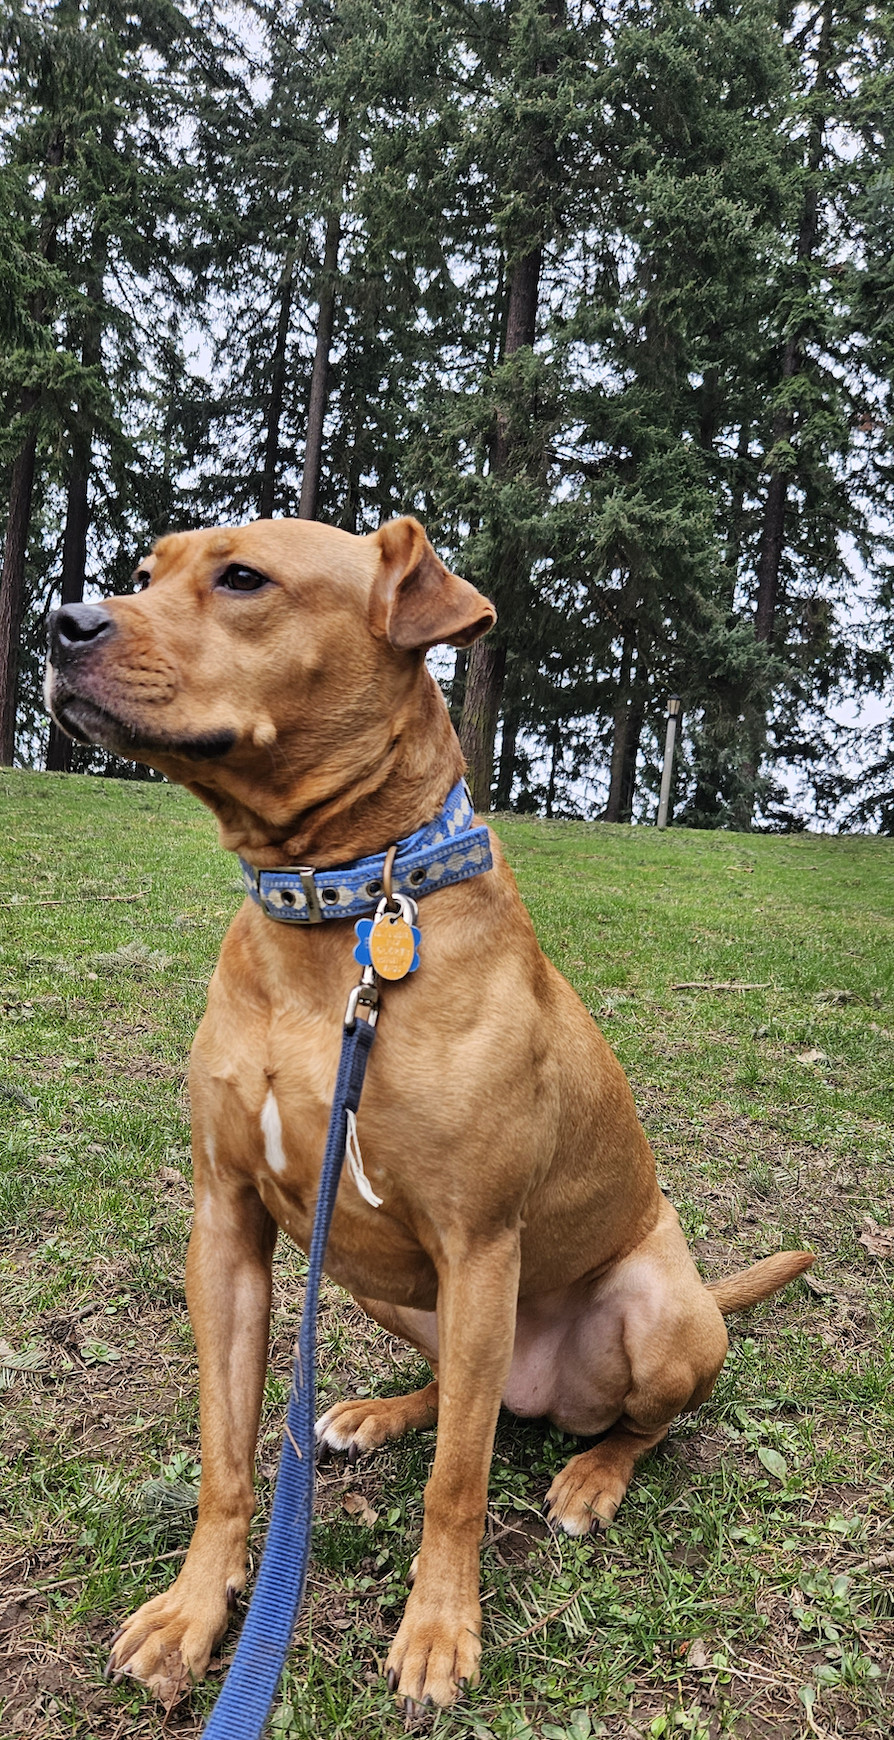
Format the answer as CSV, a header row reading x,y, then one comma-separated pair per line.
x,y
416,601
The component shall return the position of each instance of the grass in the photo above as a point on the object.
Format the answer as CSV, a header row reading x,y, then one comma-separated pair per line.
x,y
747,985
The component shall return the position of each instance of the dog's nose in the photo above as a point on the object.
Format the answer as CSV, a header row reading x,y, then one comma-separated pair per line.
x,y
77,625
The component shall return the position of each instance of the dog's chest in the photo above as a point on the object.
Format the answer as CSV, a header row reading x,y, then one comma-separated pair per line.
x,y
262,1105
368,1253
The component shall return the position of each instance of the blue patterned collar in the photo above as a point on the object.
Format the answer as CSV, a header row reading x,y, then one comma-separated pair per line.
x,y
446,850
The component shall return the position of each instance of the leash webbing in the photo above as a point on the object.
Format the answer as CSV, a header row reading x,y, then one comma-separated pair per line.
x,y
250,1687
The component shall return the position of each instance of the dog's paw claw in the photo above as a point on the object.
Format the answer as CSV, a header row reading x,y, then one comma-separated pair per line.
x,y
415,1709
391,1680
353,1453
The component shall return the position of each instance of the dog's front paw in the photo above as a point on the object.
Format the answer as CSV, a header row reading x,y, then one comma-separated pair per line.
x,y
435,1655
585,1496
167,1644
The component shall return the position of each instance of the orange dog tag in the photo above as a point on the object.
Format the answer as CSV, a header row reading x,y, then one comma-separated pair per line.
x,y
392,946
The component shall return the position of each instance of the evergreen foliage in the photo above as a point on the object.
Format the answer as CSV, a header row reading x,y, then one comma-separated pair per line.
x,y
603,295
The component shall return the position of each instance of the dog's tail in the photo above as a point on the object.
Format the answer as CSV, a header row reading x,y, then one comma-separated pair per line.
x,y
737,1292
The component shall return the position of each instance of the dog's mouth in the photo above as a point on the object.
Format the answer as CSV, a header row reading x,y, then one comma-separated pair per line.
x,y
88,722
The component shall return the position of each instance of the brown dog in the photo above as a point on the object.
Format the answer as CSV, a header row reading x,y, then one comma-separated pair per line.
x,y
522,1243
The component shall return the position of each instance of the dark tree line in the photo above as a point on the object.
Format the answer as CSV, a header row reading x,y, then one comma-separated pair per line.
x,y
604,294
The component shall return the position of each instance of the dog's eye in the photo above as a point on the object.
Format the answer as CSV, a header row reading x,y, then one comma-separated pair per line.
x,y
239,579
141,579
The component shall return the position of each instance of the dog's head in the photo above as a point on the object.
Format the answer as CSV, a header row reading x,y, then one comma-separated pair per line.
x,y
266,666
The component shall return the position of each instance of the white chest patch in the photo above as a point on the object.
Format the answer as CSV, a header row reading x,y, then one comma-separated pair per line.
x,y
271,1127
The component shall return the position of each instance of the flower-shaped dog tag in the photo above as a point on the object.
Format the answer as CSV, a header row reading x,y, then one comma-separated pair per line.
x,y
389,943
392,947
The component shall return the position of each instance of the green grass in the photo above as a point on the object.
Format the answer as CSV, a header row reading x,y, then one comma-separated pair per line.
x,y
746,1586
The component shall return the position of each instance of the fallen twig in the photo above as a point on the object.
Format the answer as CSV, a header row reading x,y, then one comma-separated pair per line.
x,y
547,1619
130,1565
878,1562
722,985
8,905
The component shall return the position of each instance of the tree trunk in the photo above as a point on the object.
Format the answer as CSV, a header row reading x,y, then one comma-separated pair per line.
x,y
12,584
719,777
521,315
772,541
620,793
458,685
506,771
484,686
74,564
635,719
754,738
487,663
319,380
521,330
21,489
267,492
77,512
773,529
553,766
486,669
733,546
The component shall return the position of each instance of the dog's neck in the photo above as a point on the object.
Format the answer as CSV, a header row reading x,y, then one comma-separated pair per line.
x,y
332,814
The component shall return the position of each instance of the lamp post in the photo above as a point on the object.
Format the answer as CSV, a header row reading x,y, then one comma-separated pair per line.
x,y
674,709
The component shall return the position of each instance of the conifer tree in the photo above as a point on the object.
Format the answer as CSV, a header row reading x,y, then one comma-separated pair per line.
x,y
818,473
94,105
34,222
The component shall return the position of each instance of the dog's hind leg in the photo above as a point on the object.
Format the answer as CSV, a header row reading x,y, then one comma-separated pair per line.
x,y
587,1492
671,1336
668,1332
354,1427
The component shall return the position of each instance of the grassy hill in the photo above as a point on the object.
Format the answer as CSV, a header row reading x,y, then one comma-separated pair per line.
x,y
747,984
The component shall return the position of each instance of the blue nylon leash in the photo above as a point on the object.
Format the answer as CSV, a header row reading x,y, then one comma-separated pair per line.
x,y
250,1687
446,851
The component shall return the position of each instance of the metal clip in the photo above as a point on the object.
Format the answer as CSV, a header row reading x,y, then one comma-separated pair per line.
x,y
364,996
402,903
